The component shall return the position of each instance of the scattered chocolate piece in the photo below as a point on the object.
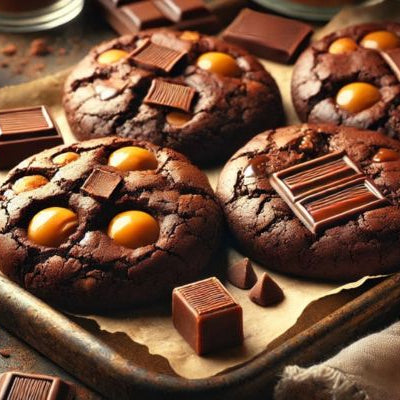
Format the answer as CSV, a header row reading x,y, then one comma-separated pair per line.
x,y
168,94
39,47
207,316
6,353
326,191
266,292
392,57
178,10
21,386
156,57
25,131
144,15
9,50
101,184
242,274
268,36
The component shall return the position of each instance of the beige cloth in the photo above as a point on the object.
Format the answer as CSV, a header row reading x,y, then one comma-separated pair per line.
x,y
369,369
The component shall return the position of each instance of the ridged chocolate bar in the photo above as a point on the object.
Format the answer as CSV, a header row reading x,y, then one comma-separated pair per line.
x,y
131,16
21,386
326,191
24,132
207,316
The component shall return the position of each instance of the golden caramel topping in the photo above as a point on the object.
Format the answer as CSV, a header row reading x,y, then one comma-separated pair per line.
x,y
27,183
384,155
357,96
132,158
380,40
133,229
192,36
65,158
52,226
111,56
176,118
343,45
219,63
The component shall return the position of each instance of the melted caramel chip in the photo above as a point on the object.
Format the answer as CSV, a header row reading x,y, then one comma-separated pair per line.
x,y
384,155
343,45
380,40
27,183
133,229
111,56
191,36
52,226
132,158
357,96
65,158
177,118
219,63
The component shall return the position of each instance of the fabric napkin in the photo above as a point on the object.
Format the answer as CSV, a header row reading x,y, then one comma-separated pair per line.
x,y
369,369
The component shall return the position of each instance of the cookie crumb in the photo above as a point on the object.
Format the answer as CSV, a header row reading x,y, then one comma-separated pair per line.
x,y
5,353
9,50
39,47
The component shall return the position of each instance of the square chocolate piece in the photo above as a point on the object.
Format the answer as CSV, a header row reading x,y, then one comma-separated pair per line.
x,y
326,191
101,184
207,316
17,385
24,132
268,36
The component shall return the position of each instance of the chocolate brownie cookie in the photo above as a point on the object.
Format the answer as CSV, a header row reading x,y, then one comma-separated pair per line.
x,y
345,78
190,92
107,223
318,201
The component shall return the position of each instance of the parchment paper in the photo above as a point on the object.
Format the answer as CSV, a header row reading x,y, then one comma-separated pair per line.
x,y
152,326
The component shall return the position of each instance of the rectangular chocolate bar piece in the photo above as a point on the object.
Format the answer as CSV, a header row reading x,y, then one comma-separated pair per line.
x,y
24,132
179,10
163,93
21,386
207,316
101,184
268,36
326,191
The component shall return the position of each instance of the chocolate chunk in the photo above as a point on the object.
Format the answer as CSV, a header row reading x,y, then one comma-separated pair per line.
x,y
242,274
25,131
168,94
101,184
268,36
18,386
266,292
144,15
207,316
392,57
326,191
156,57
178,10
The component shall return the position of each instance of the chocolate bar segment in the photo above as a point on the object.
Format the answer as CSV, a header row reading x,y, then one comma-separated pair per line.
x,y
21,386
268,36
168,94
326,191
25,131
101,184
156,57
179,10
392,57
207,316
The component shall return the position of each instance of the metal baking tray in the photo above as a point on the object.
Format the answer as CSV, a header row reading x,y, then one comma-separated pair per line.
x,y
98,364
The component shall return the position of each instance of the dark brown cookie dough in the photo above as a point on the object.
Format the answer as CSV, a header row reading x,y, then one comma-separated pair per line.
x,y
225,113
267,229
319,75
90,271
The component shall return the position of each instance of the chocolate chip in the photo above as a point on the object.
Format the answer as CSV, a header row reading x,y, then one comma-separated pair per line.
x,y
242,274
266,292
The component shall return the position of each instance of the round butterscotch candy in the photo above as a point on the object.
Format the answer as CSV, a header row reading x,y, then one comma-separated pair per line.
x,y
52,226
112,56
357,96
133,229
65,158
177,118
219,63
380,40
343,45
132,158
30,182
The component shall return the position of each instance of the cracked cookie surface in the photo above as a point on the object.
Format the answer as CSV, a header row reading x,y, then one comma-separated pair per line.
x,y
225,113
319,75
267,229
90,271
